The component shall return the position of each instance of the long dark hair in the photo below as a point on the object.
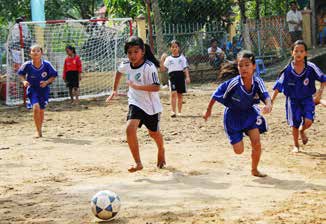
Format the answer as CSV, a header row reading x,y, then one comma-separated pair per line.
x,y
73,49
227,71
137,41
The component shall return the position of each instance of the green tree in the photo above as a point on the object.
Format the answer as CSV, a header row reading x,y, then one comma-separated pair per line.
x,y
124,8
193,11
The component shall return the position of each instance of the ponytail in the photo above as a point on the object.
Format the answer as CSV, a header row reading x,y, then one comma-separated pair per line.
x,y
150,56
137,41
228,70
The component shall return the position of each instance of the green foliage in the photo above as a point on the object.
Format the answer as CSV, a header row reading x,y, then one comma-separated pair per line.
x,y
193,11
125,8
267,8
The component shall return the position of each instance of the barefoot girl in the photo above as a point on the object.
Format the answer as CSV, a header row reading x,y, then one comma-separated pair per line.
x,y
37,75
297,82
143,98
177,67
240,95
72,70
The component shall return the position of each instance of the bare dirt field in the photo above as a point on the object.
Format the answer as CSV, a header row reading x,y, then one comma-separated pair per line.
x,y
51,180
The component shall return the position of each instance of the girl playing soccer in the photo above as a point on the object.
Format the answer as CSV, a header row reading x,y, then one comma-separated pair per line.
x,y
36,76
240,96
72,70
143,98
177,67
297,82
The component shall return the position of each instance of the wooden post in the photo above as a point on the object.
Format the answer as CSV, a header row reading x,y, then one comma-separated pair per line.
x,y
141,27
313,23
306,27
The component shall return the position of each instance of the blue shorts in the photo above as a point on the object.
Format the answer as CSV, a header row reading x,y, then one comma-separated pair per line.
x,y
238,123
38,96
299,109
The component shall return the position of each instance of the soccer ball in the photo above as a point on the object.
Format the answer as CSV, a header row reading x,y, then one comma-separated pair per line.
x,y
105,204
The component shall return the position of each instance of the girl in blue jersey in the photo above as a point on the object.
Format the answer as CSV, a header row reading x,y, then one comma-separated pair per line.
x,y
240,96
297,82
36,75
143,98
177,66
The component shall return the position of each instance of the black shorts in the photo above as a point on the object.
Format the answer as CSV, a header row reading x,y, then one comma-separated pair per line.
x,y
72,79
150,121
177,82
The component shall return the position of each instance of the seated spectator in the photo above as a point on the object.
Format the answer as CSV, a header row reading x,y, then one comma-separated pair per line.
x,y
216,54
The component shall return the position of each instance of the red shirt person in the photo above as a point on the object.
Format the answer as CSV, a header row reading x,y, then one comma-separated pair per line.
x,y
72,70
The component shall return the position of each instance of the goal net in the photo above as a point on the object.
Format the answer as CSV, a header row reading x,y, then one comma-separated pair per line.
x,y
98,42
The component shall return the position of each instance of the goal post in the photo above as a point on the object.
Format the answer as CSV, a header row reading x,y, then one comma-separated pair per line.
x,y
98,42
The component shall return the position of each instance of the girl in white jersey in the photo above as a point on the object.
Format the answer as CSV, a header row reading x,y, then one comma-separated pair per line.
x,y
143,98
177,66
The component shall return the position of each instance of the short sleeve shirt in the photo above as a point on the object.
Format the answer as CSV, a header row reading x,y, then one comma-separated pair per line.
x,y
145,74
296,17
174,64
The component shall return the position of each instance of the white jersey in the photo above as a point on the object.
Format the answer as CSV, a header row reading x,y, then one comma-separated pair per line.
x,y
218,50
296,17
173,64
145,74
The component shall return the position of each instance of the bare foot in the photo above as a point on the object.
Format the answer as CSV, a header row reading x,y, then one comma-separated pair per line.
x,y
304,138
136,168
161,164
296,149
256,173
38,135
161,159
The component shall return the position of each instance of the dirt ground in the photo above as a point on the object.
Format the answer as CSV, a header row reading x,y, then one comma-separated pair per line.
x,y
51,180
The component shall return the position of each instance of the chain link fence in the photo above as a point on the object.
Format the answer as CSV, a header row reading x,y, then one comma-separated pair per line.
x,y
269,38
201,26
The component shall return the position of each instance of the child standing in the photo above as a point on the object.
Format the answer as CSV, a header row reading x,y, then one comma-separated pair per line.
x,y
240,95
177,67
297,82
143,98
36,76
72,70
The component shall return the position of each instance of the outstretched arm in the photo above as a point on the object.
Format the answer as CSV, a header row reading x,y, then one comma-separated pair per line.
x,y
186,71
268,106
162,66
319,93
274,96
208,112
115,86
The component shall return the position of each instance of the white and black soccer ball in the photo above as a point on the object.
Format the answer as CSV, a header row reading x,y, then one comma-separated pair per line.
x,y
105,204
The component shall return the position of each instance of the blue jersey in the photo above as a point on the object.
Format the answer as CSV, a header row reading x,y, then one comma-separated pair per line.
x,y
233,95
35,93
35,75
241,113
299,86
